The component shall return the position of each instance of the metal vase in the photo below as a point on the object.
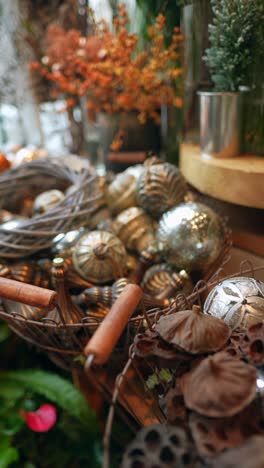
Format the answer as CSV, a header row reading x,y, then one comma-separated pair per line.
x,y
220,124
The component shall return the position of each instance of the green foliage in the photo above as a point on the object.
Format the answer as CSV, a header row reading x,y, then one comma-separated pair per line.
x,y
237,42
56,389
74,437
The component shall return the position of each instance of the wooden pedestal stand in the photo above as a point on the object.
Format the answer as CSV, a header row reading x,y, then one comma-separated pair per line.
x,y
237,186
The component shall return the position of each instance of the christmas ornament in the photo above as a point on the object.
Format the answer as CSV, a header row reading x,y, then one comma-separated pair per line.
x,y
46,201
219,386
4,163
163,279
106,295
16,222
134,227
160,187
121,193
99,257
28,154
191,331
64,244
191,236
237,301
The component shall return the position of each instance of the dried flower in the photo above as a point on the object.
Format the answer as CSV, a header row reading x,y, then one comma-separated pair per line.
x,y
219,386
108,70
191,331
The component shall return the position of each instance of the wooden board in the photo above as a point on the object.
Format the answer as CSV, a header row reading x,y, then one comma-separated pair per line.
x,y
237,180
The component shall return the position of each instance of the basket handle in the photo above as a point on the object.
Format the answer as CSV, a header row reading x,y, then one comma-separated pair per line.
x,y
102,343
27,293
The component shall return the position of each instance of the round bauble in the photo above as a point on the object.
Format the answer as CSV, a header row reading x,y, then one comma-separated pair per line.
x,y
238,301
46,201
64,244
99,257
160,187
192,236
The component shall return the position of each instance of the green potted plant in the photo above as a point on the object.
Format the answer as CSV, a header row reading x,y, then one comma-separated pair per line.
x,y
235,46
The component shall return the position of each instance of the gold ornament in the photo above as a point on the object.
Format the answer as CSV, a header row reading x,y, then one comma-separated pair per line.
x,y
160,187
121,193
163,278
238,301
47,201
134,227
106,295
191,236
99,257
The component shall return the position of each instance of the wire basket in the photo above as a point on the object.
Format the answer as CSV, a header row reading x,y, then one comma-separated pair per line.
x,y
144,404
38,232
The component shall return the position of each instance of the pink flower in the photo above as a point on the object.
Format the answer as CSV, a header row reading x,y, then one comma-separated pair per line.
x,y
41,420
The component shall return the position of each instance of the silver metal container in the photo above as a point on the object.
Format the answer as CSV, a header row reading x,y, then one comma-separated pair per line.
x,y
220,124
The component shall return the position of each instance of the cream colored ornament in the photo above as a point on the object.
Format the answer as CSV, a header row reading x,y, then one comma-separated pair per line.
x,y
160,187
134,227
99,257
121,193
238,301
47,201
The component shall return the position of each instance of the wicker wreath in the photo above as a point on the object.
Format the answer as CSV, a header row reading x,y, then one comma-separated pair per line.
x,y
83,201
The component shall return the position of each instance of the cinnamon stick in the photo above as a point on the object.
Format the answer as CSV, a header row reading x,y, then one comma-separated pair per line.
x,y
27,293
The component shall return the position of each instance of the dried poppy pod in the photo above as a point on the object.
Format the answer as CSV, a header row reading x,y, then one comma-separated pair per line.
x,y
219,386
193,332
160,187
250,454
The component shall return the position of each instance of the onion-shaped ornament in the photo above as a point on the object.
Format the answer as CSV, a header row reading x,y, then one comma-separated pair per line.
x,y
99,257
134,227
163,277
238,301
47,201
106,295
121,193
160,187
191,235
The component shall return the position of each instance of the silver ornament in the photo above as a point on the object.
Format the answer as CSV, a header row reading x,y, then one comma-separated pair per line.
x,y
106,295
15,222
134,227
192,236
238,301
46,201
99,257
160,187
64,244
161,277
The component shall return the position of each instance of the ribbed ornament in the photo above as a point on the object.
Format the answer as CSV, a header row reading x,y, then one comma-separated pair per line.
x,y
134,227
99,257
160,187
163,276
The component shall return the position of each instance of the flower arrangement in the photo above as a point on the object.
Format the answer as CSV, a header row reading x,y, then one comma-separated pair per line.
x,y
107,69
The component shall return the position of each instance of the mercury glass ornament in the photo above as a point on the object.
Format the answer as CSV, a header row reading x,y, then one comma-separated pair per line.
x,y
99,257
15,222
106,295
134,227
160,187
192,236
46,201
64,244
238,301
163,277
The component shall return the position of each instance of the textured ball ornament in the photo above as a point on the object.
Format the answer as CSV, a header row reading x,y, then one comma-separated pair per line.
x,y
160,187
192,236
134,227
121,193
46,201
99,257
238,301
